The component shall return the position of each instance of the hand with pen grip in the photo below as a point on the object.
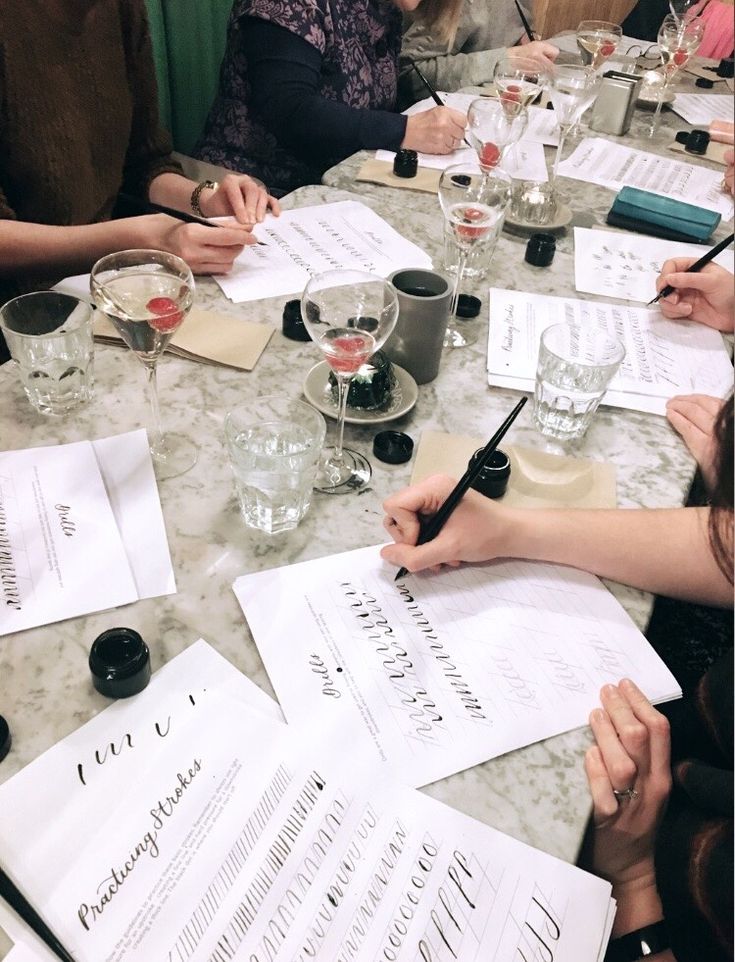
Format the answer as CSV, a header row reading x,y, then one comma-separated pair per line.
x,y
439,130
706,297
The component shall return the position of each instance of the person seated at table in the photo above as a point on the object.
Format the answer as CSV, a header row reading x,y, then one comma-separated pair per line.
x,y
78,125
485,32
663,837
680,553
305,84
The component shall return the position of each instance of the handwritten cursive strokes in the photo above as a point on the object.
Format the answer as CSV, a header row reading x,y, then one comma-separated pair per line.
x,y
540,932
89,912
464,889
407,903
8,574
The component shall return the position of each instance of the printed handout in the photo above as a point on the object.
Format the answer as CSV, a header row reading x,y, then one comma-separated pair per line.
x,y
441,672
310,240
625,265
702,109
602,162
663,358
186,825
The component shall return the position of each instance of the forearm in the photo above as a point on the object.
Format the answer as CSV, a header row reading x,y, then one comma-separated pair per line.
x,y
172,190
449,72
27,248
638,907
663,551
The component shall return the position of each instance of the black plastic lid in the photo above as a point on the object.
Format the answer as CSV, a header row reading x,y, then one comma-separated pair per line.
x,y
704,82
493,479
393,447
697,142
120,663
682,136
540,249
468,306
5,739
406,163
293,322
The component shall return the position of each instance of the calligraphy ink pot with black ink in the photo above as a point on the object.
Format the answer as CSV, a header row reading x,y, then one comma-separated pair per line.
x,y
120,663
493,479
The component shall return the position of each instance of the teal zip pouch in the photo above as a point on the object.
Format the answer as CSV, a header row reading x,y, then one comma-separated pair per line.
x,y
647,213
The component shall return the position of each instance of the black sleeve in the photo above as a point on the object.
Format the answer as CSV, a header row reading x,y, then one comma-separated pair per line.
x,y
284,72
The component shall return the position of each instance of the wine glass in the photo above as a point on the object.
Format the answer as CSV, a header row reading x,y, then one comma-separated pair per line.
x,y
349,314
518,79
147,294
493,126
597,41
572,88
474,203
678,41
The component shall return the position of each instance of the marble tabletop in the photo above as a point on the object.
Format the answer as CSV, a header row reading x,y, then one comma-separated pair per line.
x,y
538,793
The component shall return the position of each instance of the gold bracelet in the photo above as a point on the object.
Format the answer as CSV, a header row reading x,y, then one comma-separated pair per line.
x,y
196,194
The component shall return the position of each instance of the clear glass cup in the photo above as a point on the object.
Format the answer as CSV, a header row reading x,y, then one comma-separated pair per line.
x,y
678,41
493,126
597,41
575,367
518,79
532,202
572,88
474,203
49,336
274,445
147,294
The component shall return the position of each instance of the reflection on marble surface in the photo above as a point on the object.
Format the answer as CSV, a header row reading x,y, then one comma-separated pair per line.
x,y
537,794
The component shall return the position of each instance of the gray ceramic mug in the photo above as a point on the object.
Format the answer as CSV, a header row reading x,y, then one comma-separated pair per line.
x,y
417,340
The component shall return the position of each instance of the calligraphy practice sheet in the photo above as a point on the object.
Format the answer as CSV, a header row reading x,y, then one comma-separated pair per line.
x,y
183,825
602,162
662,358
702,109
81,530
441,672
307,241
24,953
627,265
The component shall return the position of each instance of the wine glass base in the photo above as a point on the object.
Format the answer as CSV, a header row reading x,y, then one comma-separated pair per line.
x,y
173,456
351,474
454,337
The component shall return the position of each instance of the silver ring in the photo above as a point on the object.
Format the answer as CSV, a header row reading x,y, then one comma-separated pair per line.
x,y
629,793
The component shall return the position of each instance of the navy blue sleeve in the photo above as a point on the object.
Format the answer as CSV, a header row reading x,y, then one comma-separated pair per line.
x,y
284,73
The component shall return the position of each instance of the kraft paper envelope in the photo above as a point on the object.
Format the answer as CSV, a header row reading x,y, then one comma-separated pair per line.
x,y
537,479
207,337
381,172
715,151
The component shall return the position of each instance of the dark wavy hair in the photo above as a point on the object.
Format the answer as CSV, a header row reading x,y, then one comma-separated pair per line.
x,y
721,498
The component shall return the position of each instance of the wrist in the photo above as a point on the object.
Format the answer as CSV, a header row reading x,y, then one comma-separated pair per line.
x,y
638,905
201,197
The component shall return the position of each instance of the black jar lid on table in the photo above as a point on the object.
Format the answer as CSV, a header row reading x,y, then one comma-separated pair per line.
x,y
493,479
120,663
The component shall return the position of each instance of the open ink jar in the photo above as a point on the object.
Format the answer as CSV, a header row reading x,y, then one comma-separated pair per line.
x,y
493,479
120,663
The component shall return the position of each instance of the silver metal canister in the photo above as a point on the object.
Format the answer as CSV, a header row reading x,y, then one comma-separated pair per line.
x,y
613,110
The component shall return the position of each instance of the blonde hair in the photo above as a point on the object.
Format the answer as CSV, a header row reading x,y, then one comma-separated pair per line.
x,y
440,17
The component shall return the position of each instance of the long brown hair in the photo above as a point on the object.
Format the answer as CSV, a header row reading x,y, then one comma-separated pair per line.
x,y
721,500
440,17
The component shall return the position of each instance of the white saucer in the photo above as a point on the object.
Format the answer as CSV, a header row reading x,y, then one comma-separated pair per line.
x,y
403,397
649,103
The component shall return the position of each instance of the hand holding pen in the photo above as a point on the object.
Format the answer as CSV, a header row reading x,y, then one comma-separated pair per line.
x,y
707,296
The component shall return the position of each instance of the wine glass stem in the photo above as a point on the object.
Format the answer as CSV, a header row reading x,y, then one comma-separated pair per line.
x,y
563,131
151,384
343,386
461,262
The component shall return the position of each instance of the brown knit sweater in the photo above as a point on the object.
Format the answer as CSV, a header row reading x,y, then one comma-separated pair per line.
x,y
78,114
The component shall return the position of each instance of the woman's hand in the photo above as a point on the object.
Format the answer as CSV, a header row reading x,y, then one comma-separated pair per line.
x,y
543,54
207,250
474,532
241,197
436,131
632,751
694,417
707,297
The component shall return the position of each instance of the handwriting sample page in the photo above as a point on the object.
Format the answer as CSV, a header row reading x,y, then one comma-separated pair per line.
x,y
182,825
441,672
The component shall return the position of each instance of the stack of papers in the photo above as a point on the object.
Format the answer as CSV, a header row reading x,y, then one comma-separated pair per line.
x,y
663,358
214,832
447,670
81,530
702,109
310,240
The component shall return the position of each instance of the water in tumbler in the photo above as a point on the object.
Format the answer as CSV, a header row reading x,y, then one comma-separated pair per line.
x,y
274,465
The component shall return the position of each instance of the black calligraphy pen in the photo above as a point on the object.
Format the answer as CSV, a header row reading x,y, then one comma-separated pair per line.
x,y
432,93
696,267
433,526
526,24
149,207
16,900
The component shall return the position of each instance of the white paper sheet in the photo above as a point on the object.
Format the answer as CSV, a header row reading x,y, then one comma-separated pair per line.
x,y
612,165
663,358
627,265
181,825
442,672
27,953
307,241
702,109
127,471
61,554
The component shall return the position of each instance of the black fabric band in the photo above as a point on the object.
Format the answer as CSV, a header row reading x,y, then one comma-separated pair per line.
x,y
639,944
